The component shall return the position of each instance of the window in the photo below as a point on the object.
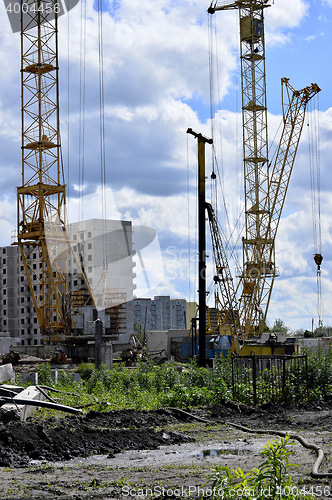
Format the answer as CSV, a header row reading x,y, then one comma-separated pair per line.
x,y
4,312
89,234
4,271
75,248
4,322
22,342
28,299
82,282
35,320
22,298
89,269
75,282
34,266
35,331
35,341
22,310
4,302
75,237
34,277
40,265
22,268
5,292
22,321
22,278
3,250
4,281
22,332
28,309
34,256
4,261
34,288
81,248
89,246
89,258
75,271
82,236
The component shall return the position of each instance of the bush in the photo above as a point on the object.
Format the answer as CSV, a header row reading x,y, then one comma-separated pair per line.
x,y
45,374
270,481
85,370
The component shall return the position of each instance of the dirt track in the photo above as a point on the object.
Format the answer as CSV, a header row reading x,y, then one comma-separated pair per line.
x,y
123,454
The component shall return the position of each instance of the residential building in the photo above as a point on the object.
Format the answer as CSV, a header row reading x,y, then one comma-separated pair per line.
x,y
103,249
160,313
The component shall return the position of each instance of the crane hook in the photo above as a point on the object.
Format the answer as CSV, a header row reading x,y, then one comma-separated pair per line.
x,y
318,258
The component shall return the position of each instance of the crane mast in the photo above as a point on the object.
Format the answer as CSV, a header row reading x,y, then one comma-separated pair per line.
x,y
255,151
41,197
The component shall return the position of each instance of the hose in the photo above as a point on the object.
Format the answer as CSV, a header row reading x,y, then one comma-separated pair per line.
x,y
33,402
320,453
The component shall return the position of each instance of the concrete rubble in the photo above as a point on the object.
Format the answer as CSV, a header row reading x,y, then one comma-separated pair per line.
x,y
14,411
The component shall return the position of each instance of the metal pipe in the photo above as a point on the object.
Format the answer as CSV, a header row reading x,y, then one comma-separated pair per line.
x,y
33,402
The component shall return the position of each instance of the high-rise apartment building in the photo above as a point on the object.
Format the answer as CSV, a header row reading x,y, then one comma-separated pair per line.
x,y
103,249
160,313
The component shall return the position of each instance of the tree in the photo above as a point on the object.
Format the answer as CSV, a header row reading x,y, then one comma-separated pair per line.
x,y
279,326
323,331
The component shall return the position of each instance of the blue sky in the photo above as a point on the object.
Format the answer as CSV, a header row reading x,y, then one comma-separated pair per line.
x,y
303,56
156,86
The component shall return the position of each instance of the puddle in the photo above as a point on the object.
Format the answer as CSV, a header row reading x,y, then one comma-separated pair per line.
x,y
225,451
175,454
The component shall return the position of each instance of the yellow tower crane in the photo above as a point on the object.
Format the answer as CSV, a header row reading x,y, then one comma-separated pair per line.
x,y
264,190
41,231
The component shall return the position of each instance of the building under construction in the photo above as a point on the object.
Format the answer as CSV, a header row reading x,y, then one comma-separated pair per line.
x,y
17,313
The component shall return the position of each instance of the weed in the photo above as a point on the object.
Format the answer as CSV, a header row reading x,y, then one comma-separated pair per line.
x,y
270,481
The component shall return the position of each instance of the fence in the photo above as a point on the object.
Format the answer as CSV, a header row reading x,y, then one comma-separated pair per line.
x,y
258,380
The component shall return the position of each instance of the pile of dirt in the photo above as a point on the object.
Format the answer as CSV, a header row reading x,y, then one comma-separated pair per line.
x,y
95,433
115,431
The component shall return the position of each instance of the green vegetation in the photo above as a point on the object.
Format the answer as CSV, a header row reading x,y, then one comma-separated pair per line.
x,y
270,481
149,387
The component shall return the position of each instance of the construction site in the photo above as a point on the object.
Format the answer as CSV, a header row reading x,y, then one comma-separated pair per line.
x,y
77,313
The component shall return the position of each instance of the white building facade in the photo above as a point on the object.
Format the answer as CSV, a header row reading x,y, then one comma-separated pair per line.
x,y
160,313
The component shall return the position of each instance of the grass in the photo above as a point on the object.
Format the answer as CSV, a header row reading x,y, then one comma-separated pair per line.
x,y
149,387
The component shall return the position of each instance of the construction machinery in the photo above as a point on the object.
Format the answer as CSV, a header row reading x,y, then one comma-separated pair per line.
x,y
45,246
41,197
264,188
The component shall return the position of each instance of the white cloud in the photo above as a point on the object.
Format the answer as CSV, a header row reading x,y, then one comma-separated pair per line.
x,y
156,63
281,17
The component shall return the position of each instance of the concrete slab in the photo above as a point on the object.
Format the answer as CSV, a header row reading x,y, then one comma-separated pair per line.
x,y
21,412
7,373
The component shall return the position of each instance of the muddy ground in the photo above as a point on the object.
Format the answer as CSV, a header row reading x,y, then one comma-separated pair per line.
x,y
165,453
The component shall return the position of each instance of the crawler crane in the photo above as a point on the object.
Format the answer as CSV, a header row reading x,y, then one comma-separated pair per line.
x,y
265,190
